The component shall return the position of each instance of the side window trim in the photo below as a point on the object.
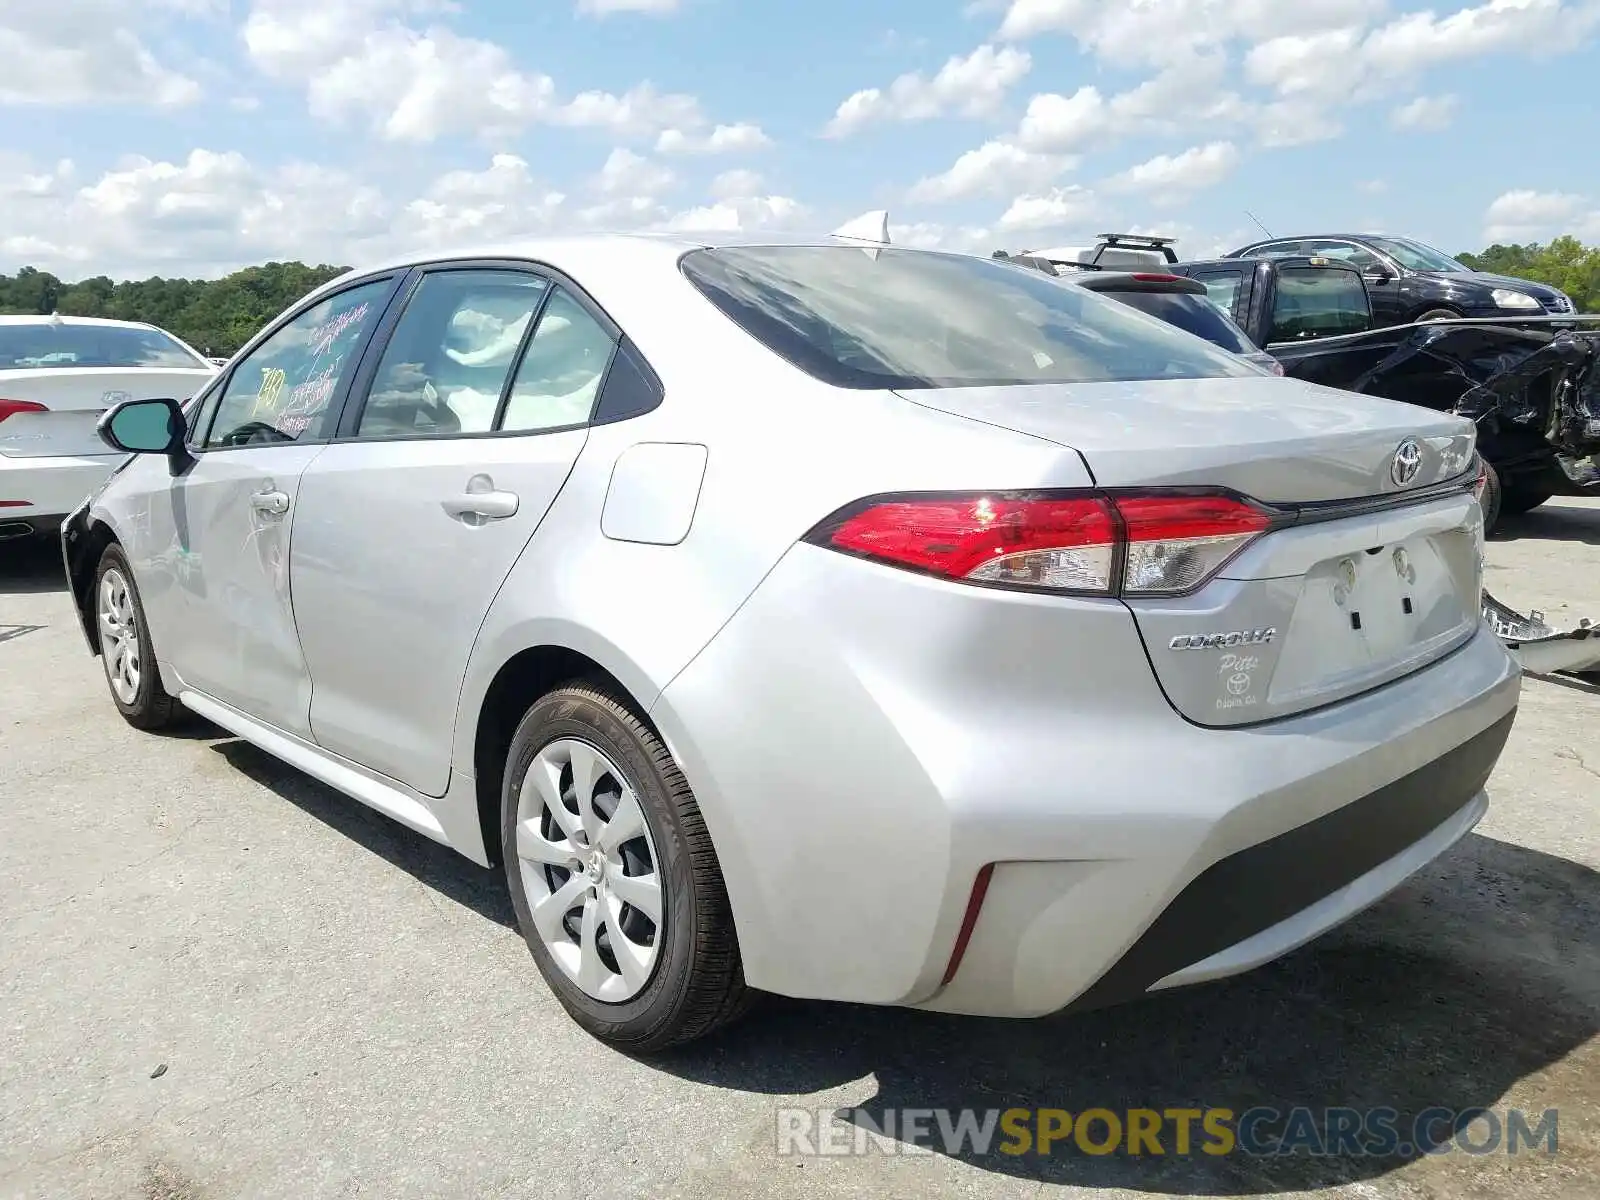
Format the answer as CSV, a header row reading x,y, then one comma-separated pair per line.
x,y
503,401
200,436
355,397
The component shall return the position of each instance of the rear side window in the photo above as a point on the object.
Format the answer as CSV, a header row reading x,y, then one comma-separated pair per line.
x,y
44,344
1223,289
1318,302
1190,313
898,318
450,355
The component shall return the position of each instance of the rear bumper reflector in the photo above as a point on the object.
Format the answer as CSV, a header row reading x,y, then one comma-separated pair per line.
x,y
980,889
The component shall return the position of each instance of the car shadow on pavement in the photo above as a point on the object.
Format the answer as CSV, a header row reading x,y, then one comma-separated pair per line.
x,y
30,567
1552,522
431,864
1477,974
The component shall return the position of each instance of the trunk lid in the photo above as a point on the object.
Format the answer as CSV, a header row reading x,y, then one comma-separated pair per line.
x,y
1362,581
75,398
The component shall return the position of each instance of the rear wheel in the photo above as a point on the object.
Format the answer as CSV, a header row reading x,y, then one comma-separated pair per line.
x,y
125,649
613,877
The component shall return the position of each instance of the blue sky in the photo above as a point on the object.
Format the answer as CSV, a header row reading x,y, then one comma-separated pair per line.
x,y
193,136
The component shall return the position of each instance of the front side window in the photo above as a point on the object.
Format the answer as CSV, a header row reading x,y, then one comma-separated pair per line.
x,y
283,390
1318,302
1349,252
40,345
455,346
898,318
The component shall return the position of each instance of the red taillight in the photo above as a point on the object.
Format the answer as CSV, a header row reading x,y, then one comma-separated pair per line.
x,y
1149,544
11,407
1061,544
1482,480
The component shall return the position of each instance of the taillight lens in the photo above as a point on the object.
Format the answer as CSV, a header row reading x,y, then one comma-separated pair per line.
x,y
12,407
1062,544
1149,544
1176,543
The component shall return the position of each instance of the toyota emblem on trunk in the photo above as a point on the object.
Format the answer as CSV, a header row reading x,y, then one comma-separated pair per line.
x,y
1407,462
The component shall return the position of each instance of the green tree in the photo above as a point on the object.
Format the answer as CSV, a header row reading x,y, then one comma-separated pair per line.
x,y
1565,263
216,316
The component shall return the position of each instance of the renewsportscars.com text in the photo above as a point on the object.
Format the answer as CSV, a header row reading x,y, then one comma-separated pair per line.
x,y
1137,1132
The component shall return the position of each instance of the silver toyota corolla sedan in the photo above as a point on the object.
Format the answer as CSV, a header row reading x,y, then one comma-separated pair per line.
x,y
819,618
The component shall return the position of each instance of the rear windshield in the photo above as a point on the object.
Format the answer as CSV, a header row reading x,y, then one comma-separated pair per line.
x,y
45,344
1193,314
1318,302
896,318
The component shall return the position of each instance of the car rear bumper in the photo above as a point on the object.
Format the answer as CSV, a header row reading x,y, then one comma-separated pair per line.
x,y
894,738
50,487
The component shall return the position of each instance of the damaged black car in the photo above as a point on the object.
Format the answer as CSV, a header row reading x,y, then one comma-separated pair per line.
x,y
1531,384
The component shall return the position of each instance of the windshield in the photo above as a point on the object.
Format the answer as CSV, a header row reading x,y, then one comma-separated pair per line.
x,y
43,344
1192,313
895,318
1414,256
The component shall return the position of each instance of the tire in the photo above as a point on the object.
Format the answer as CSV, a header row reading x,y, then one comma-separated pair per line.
x,y
132,676
1436,314
1490,500
1521,498
692,978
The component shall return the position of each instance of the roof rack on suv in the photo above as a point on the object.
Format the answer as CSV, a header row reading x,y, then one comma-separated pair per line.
x,y
1139,241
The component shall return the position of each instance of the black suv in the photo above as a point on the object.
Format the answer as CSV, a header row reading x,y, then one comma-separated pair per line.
x,y
1408,281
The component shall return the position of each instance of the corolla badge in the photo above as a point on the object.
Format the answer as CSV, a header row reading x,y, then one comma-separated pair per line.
x,y
1407,462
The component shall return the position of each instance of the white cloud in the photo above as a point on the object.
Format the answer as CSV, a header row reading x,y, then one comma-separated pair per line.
x,y
1053,122
1178,174
993,167
970,86
723,139
736,214
627,173
1372,187
1426,113
359,59
208,213
1525,215
1143,32
641,110
356,62
606,8
1058,208
502,201
732,184
85,52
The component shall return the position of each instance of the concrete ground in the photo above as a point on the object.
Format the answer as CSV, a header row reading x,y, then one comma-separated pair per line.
x,y
221,979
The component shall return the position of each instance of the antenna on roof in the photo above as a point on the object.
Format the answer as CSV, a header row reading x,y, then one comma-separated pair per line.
x,y
1263,228
868,227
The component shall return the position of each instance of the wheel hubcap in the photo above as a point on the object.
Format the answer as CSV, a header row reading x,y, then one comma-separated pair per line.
x,y
119,636
590,870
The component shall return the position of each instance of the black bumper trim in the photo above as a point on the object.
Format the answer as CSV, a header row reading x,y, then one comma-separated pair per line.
x,y
1254,889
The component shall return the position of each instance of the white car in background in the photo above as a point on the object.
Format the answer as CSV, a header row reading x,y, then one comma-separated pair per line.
x,y
58,375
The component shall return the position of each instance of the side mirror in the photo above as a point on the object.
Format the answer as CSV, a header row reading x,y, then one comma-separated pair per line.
x,y
1378,273
148,427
